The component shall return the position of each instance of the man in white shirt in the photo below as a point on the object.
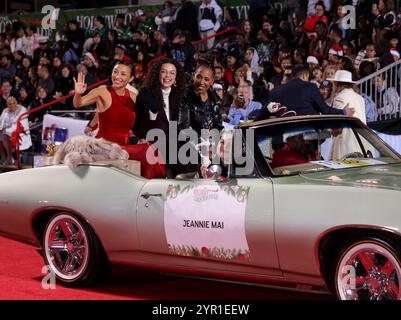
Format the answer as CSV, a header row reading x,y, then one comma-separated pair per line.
x,y
8,124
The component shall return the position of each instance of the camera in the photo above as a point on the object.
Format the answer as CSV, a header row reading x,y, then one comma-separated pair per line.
x,y
239,102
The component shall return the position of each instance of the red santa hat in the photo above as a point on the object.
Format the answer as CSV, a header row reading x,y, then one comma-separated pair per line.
x,y
395,52
92,56
126,58
336,50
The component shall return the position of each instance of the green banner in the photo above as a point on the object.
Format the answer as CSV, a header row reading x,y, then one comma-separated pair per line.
x,y
52,19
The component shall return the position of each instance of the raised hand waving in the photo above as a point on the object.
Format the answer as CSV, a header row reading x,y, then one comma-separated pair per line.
x,y
80,84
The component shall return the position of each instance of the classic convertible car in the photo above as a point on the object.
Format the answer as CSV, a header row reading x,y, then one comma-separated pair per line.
x,y
308,203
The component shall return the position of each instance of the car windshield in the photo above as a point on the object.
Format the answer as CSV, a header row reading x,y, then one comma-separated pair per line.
x,y
310,146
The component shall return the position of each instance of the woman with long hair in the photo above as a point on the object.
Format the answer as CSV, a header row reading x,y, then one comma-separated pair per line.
x,y
241,74
161,97
25,96
231,64
247,30
386,16
57,64
140,61
330,71
24,71
252,59
159,104
42,97
33,76
116,115
65,85
112,37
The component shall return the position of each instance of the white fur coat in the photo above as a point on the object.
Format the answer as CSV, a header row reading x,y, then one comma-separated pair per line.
x,y
85,149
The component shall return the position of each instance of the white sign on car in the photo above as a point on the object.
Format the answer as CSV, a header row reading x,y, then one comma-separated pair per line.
x,y
207,220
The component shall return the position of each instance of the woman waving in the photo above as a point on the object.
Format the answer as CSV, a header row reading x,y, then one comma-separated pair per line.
x,y
116,112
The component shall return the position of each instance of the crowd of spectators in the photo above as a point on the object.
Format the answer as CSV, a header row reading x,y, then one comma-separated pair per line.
x,y
248,64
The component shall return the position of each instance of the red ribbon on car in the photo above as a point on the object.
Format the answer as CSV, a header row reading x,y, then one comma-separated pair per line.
x,y
16,135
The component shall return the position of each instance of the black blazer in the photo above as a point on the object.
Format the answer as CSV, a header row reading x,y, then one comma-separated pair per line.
x,y
146,102
303,97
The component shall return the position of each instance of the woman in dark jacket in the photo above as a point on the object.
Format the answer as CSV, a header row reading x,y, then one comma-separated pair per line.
x,y
57,64
160,99
202,103
41,98
65,85
36,118
23,72
203,107
159,104
25,96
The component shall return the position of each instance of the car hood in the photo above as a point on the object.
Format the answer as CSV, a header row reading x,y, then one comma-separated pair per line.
x,y
379,176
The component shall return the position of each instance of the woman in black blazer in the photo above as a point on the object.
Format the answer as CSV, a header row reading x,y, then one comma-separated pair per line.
x,y
160,105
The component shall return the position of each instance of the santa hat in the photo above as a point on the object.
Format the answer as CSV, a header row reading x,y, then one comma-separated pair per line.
x,y
336,50
126,58
395,52
92,56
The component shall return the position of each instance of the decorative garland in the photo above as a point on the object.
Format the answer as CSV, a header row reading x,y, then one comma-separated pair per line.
x,y
221,253
238,192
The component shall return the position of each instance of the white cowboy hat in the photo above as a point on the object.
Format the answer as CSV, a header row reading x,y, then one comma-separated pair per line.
x,y
342,76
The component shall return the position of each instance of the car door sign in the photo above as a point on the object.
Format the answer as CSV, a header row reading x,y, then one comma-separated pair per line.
x,y
206,221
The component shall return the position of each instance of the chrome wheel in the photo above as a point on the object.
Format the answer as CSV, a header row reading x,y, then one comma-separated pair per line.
x,y
368,270
66,247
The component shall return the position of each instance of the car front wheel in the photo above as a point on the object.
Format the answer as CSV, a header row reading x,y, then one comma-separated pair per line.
x,y
72,251
368,269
